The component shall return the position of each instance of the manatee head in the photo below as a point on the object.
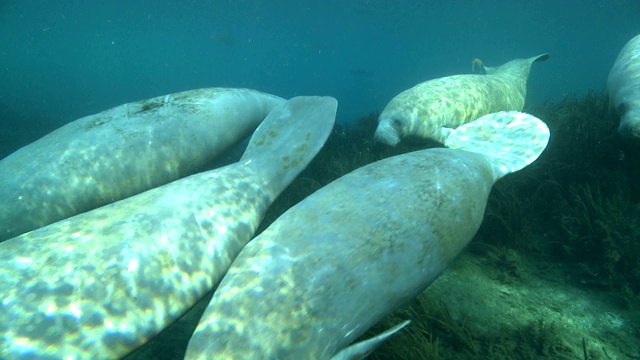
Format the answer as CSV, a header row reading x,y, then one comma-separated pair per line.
x,y
629,112
394,123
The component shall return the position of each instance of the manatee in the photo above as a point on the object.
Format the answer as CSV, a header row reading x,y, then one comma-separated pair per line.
x,y
99,284
623,86
430,110
123,151
337,262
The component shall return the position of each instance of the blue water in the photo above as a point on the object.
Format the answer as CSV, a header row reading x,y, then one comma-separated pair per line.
x,y
63,59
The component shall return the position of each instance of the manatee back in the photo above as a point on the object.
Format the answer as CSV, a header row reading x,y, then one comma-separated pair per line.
x,y
518,68
626,67
509,84
119,152
432,108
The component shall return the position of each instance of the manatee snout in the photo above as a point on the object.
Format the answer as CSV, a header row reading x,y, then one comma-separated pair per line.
x,y
630,124
388,131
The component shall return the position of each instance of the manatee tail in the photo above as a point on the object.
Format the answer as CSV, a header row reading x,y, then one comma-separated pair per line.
x,y
509,140
289,137
538,58
524,65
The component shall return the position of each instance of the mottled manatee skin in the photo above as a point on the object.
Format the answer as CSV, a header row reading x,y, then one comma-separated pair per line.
x,y
344,257
430,109
99,284
623,86
123,151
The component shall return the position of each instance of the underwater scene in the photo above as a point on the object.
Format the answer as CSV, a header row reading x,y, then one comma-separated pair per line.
x,y
381,179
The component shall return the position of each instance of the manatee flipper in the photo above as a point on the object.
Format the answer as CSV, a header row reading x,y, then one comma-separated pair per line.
x,y
99,284
362,349
510,140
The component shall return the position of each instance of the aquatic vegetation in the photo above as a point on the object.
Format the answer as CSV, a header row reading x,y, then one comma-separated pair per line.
x,y
503,261
537,340
579,199
594,173
600,234
431,326
435,334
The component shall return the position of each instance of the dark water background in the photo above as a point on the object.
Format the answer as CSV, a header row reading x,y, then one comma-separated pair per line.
x,y
64,59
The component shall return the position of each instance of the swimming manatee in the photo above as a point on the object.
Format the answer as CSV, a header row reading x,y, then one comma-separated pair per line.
x,y
430,110
99,284
361,247
102,158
